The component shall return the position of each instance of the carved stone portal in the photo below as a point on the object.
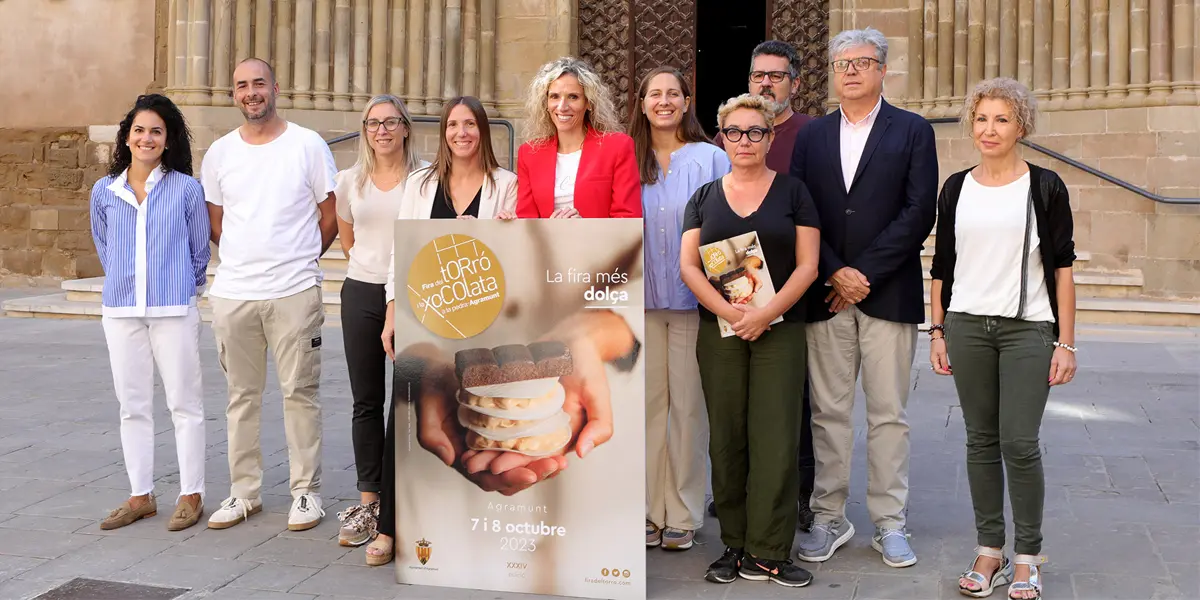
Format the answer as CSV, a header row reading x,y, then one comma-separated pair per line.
x,y
625,39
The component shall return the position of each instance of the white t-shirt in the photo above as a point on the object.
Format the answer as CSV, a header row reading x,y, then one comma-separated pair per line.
x,y
565,169
989,233
372,212
270,232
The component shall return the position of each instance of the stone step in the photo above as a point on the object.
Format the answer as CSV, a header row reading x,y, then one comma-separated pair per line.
x,y
1096,283
89,290
1131,311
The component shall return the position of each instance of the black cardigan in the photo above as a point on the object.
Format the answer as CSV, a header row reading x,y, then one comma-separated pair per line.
x,y
1052,212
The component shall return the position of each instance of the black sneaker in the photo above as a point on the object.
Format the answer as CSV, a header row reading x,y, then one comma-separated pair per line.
x,y
805,518
782,572
725,569
712,508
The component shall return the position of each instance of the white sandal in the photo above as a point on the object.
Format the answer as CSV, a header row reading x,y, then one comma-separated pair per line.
x,y
1035,577
1002,576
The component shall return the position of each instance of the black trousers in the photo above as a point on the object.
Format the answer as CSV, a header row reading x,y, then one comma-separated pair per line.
x,y
808,464
387,492
363,312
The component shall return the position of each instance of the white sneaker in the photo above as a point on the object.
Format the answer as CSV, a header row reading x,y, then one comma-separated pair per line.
x,y
234,511
306,512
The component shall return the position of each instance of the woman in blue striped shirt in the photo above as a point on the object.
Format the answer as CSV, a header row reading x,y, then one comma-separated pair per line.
x,y
674,159
150,226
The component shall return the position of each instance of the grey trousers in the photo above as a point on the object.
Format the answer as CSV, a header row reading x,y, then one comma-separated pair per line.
x,y
1002,369
884,350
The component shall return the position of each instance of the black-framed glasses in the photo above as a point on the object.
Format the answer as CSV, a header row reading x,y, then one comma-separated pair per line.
x,y
754,134
774,76
861,63
390,124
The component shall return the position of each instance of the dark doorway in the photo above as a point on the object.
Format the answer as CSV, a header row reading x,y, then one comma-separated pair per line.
x,y
726,34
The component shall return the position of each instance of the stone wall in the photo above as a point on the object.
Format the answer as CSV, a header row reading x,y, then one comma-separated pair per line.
x,y
46,177
1157,148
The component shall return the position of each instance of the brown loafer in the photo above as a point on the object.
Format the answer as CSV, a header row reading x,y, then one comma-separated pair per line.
x,y
126,514
184,516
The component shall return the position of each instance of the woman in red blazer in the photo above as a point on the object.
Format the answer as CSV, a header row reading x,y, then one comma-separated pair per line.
x,y
577,163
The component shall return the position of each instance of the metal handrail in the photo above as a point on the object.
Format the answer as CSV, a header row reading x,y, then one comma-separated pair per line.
x,y
512,136
1089,170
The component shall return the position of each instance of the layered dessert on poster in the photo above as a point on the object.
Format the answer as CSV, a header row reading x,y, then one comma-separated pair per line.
x,y
519,353
738,269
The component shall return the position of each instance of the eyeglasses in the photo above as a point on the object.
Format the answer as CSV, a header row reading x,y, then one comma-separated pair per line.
x,y
754,134
390,124
861,63
776,76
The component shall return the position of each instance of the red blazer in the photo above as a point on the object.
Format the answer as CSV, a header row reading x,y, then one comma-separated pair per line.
x,y
608,184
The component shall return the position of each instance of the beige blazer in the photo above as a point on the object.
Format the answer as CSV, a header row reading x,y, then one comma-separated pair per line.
x,y
417,201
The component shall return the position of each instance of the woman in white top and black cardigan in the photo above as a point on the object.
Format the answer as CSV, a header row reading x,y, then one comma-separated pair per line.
x,y
1004,248
368,197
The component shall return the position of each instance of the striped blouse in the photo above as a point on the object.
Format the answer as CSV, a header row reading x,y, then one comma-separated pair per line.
x,y
154,254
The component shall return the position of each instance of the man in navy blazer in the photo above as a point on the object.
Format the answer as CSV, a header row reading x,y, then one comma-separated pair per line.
x,y
872,170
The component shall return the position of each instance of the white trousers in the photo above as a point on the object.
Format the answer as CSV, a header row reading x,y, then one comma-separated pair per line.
x,y
135,346
676,421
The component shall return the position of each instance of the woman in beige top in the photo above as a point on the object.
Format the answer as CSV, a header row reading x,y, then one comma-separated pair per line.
x,y
368,198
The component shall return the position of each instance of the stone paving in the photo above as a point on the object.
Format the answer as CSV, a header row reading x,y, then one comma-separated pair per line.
x,y
1122,456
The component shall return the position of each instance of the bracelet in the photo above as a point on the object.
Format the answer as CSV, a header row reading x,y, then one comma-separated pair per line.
x,y
933,328
1067,347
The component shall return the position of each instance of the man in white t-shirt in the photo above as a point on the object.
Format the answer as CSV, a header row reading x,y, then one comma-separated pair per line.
x,y
269,185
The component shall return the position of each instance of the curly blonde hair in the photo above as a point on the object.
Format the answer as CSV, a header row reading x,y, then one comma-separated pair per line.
x,y
601,113
1019,99
765,106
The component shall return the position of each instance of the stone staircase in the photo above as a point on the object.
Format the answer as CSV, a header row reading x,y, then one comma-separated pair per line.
x,y
1104,297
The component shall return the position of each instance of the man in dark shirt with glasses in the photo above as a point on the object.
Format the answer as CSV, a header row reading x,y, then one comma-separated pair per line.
x,y
774,73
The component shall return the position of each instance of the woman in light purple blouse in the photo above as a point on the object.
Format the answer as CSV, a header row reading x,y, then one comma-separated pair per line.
x,y
674,159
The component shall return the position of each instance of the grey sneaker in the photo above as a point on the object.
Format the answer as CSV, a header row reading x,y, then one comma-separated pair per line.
x,y
893,545
653,535
824,540
677,539
359,524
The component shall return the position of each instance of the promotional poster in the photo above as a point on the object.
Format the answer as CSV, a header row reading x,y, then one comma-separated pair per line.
x,y
519,353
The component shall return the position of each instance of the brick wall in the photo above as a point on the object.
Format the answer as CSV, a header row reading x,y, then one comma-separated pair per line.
x,y
46,175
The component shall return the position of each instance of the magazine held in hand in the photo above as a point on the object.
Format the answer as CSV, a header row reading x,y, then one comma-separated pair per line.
x,y
737,268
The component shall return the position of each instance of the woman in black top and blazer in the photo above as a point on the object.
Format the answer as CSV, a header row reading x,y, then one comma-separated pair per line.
x,y
1003,312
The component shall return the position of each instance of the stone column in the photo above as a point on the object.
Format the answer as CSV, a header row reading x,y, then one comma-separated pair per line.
x,y
379,47
177,46
991,38
1160,52
341,55
1098,73
1043,38
960,47
470,48
262,30
397,75
360,89
433,64
976,42
222,25
1139,51
322,99
1025,43
415,91
1079,55
945,59
199,39
283,51
1118,53
1061,70
1008,30
487,54
243,44
452,49
930,77
303,56
1184,20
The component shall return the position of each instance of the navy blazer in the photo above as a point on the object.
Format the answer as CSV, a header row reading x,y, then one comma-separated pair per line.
x,y
880,225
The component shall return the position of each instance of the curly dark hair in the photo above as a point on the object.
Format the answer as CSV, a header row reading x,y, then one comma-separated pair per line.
x,y
177,155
